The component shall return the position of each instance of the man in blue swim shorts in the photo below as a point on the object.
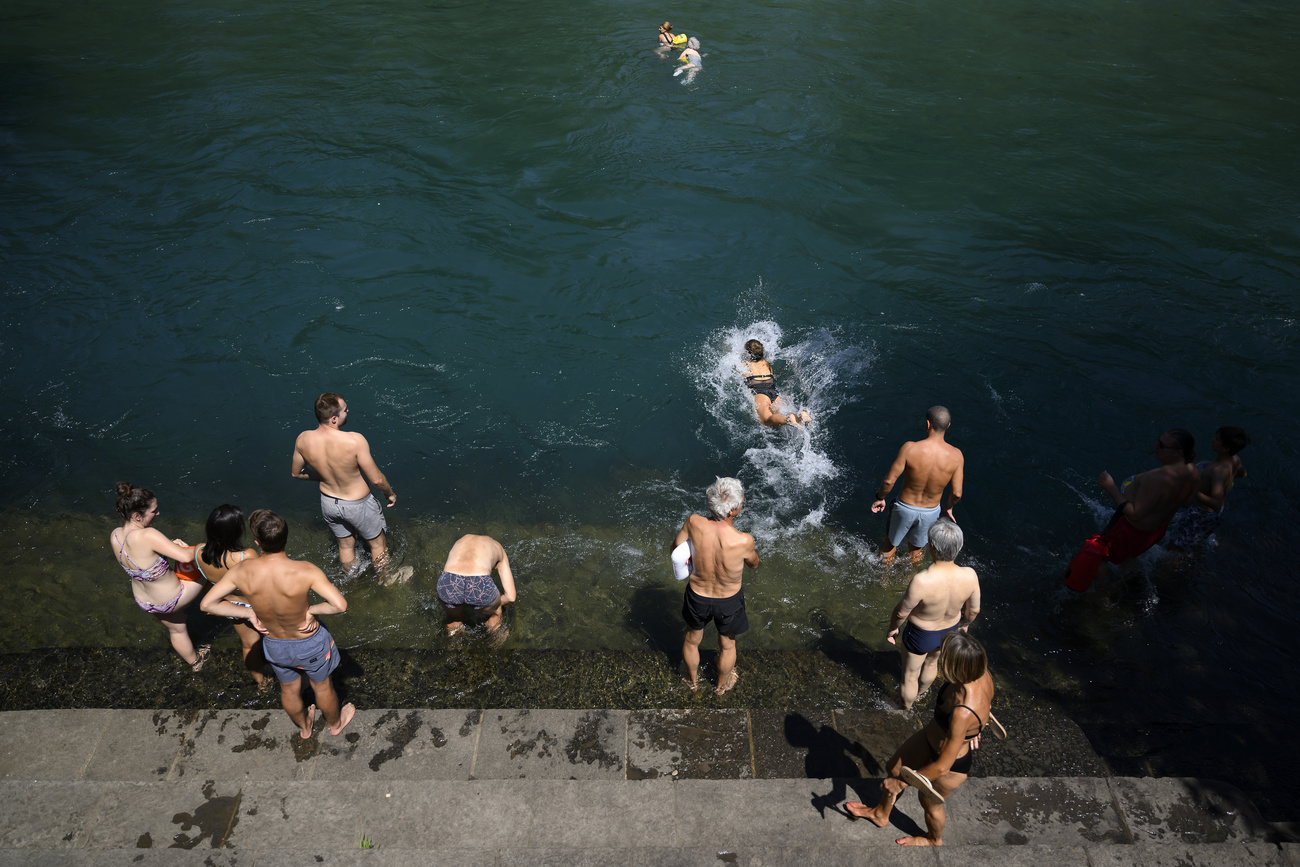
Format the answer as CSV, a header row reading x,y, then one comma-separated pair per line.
x,y
714,595
466,582
939,600
927,467
294,641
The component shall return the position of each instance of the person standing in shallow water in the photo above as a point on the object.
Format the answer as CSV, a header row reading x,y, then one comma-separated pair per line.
x,y
721,553
466,582
340,461
143,551
223,551
939,600
927,467
942,752
294,642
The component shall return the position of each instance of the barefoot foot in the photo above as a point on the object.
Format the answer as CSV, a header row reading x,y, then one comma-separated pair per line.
x,y
730,682
304,731
859,810
345,716
918,841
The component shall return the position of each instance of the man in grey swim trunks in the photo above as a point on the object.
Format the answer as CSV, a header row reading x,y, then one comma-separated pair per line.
x,y
294,642
927,467
340,460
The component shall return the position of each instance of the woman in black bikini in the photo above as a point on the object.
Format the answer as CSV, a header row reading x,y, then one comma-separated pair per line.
x,y
941,752
758,376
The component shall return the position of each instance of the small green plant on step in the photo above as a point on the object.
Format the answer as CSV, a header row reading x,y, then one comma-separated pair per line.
x,y
364,842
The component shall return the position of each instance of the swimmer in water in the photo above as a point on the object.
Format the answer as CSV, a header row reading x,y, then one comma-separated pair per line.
x,y
758,376
665,34
691,57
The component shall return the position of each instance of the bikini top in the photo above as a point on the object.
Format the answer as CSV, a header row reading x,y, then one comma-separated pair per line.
x,y
134,572
198,561
752,379
944,717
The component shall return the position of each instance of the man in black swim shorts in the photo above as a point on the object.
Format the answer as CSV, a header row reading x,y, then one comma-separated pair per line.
x,y
721,552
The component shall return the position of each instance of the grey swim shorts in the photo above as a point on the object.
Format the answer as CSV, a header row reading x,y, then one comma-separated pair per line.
x,y
912,522
364,517
315,656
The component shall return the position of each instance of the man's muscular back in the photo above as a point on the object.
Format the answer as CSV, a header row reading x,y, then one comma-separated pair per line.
x,y
721,554
929,466
277,589
336,456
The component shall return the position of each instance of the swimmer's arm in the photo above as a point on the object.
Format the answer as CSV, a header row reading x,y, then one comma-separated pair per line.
x,y
173,548
372,471
905,606
971,609
300,469
951,752
507,579
214,602
751,556
1108,485
954,495
895,470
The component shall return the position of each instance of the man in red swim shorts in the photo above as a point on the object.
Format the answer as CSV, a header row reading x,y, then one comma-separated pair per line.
x,y
1144,508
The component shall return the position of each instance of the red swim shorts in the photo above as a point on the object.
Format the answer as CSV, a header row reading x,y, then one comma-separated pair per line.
x,y
1127,541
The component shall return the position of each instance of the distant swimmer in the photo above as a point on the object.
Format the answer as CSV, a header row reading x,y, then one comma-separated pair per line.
x,y
721,552
155,586
341,462
759,379
294,642
1143,509
466,582
927,466
691,57
666,37
1204,513
942,599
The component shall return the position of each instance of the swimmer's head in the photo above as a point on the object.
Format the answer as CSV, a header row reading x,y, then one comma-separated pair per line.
x,y
132,501
1178,439
270,531
665,28
724,496
939,418
961,658
945,540
693,43
755,350
1233,439
224,528
328,405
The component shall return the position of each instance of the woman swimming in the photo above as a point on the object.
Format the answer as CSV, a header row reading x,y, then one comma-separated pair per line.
x,y
665,34
222,552
156,588
758,376
941,752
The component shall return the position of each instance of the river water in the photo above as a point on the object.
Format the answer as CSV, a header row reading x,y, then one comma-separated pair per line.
x,y
527,253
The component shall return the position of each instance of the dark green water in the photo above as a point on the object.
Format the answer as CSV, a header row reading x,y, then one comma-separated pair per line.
x,y
526,253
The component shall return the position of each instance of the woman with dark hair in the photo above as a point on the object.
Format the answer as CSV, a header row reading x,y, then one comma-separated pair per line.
x,y
938,758
759,379
155,586
222,552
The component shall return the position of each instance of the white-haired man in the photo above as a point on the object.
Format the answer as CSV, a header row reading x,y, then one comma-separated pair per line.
x,y
721,553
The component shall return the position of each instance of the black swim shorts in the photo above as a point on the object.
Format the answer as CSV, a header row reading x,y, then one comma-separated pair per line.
x,y
728,613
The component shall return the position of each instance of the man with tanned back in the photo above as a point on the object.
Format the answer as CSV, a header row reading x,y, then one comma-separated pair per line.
x,y
466,582
340,460
927,466
939,600
720,554
294,642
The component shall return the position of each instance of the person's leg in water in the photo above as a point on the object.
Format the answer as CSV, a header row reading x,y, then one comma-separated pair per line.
x,y
455,618
379,552
250,641
691,656
178,633
919,670
347,552
727,675
496,626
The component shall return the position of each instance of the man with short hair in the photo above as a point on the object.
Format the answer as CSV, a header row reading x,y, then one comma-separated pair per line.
x,y
340,460
294,641
941,599
927,467
720,554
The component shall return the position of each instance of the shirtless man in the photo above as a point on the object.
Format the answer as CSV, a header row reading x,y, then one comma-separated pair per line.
x,y
1205,512
466,582
720,554
927,467
941,599
341,462
295,642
